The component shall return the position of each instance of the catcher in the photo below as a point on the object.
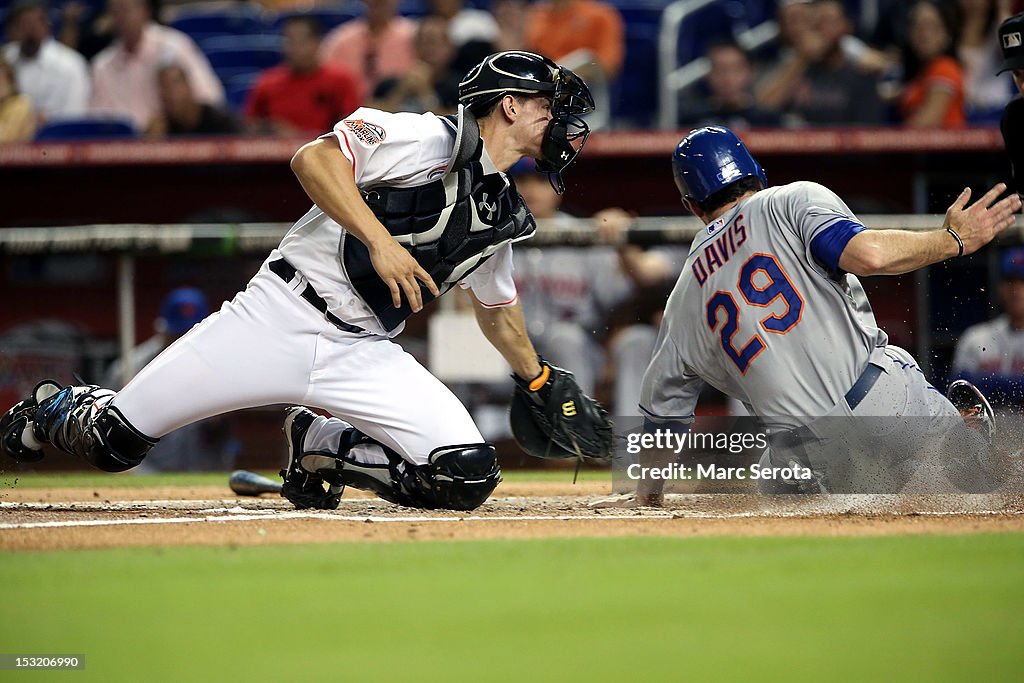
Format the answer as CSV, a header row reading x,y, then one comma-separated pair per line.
x,y
406,206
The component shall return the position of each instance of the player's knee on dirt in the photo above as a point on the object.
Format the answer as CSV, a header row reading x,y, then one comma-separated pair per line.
x,y
454,478
459,477
102,437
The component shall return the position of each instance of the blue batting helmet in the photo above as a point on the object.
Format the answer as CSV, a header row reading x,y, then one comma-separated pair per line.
x,y
708,159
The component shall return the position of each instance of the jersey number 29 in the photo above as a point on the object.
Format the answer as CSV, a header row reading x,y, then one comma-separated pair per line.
x,y
778,287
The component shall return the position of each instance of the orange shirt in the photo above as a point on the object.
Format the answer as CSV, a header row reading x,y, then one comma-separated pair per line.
x,y
587,24
942,72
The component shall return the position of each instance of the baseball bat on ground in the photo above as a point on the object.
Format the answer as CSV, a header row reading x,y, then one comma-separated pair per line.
x,y
246,483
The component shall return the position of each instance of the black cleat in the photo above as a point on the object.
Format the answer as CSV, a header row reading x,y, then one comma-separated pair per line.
x,y
973,407
304,489
14,422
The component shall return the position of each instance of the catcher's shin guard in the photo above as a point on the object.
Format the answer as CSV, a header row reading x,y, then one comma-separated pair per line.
x,y
455,477
458,477
80,421
16,421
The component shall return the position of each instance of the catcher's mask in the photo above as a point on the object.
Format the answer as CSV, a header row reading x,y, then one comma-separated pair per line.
x,y
526,72
709,159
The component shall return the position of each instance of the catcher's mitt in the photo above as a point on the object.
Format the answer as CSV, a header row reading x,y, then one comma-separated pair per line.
x,y
552,418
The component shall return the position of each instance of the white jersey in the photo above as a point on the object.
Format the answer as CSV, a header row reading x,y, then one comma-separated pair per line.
x,y
56,79
762,312
400,150
991,347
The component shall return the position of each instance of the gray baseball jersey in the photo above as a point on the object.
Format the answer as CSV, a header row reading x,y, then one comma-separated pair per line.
x,y
762,312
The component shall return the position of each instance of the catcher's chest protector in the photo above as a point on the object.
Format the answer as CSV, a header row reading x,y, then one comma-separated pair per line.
x,y
450,226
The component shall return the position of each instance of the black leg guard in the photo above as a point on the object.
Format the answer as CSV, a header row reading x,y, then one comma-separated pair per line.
x,y
101,436
456,477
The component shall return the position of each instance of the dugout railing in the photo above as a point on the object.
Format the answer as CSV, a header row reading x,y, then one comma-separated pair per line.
x,y
127,242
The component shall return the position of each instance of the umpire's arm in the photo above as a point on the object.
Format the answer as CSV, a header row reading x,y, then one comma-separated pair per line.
x,y
505,329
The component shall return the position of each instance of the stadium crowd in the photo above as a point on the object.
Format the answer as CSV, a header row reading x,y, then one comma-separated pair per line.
x,y
287,67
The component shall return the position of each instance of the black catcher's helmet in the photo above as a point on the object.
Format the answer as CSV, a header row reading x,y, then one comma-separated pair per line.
x,y
518,71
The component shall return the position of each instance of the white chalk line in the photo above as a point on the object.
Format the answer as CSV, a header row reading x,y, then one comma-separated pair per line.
x,y
637,515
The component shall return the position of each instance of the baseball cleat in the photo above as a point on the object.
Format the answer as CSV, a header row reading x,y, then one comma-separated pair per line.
x,y
302,488
15,421
973,407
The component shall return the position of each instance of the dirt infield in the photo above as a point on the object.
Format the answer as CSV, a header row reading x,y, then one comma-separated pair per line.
x,y
49,519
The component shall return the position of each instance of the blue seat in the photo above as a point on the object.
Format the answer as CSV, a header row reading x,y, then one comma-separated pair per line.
x,y
88,128
231,55
237,88
635,92
235,19
211,42
328,17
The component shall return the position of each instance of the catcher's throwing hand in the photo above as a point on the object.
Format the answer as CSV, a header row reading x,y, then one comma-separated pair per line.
x,y
552,418
979,223
401,273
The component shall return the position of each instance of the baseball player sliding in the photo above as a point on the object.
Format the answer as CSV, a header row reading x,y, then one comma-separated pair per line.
x,y
768,310
406,206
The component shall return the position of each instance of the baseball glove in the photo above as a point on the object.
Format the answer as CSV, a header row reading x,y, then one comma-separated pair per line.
x,y
552,418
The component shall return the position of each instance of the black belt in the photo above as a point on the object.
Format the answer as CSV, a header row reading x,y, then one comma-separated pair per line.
x,y
287,272
863,385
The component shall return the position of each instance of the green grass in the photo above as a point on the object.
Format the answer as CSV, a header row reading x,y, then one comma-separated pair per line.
x,y
914,608
127,479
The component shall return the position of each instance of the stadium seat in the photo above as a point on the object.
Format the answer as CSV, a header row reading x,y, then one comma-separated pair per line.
x,y
227,19
234,56
237,87
329,17
635,91
88,128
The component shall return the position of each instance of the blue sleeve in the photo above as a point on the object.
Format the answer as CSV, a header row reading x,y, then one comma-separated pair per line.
x,y
828,245
1001,390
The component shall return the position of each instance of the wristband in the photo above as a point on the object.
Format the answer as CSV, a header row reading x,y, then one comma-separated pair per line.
x,y
959,242
540,380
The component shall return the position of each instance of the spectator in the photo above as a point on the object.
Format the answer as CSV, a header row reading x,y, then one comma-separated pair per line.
x,y
302,95
1011,39
124,74
567,292
990,355
512,17
17,118
54,77
465,24
933,95
206,445
430,85
376,46
730,97
984,90
560,28
817,83
182,114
